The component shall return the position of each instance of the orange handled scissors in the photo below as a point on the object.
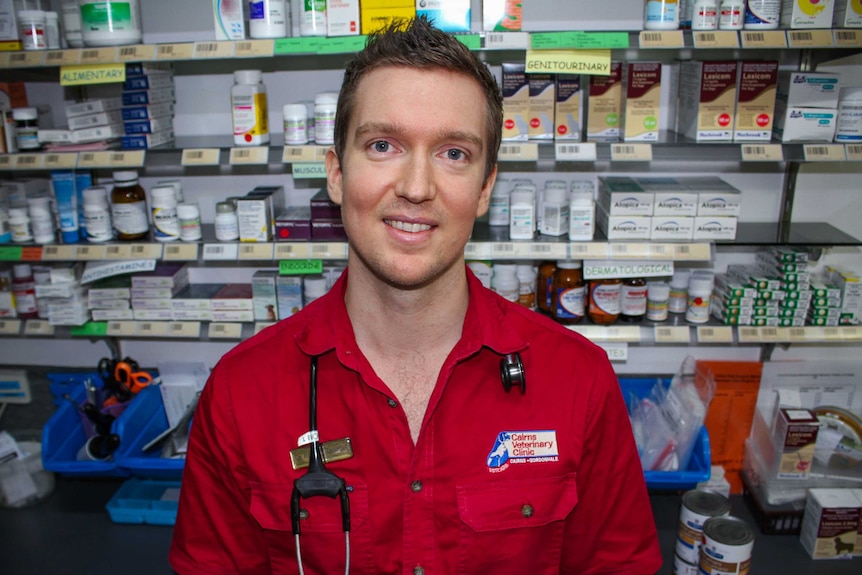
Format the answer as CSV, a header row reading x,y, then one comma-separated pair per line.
x,y
126,375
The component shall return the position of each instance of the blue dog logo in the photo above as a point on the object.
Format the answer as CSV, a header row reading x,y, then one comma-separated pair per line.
x,y
499,455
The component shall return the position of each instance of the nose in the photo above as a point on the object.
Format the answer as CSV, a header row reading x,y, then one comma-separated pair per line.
x,y
416,184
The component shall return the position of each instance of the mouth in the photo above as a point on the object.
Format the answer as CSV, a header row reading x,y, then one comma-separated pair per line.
x,y
409,227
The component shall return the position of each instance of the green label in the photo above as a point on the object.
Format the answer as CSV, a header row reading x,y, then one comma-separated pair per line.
x,y
612,119
300,267
308,171
296,45
90,329
472,41
107,16
581,40
341,45
650,122
315,5
10,253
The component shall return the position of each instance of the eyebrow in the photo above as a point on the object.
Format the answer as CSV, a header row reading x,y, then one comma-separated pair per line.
x,y
396,130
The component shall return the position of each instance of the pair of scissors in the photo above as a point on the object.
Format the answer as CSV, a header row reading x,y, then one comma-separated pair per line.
x,y
130,377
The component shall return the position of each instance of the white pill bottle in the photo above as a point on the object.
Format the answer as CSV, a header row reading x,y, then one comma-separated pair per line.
x,y
110,23
762,14
249,113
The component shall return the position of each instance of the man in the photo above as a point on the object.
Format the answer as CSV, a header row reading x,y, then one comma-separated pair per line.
x,y
450,473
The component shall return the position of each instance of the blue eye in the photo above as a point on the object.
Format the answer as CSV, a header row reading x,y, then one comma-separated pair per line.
x,y
381,146
455,154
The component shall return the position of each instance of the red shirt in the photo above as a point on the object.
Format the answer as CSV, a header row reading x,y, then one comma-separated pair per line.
x,y
561,492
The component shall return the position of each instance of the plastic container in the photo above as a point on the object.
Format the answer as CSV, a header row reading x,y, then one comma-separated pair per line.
x,y
661,15
731,15
97,215
268,18
143,421
295,124
226,222
249,114
312,14
189,217
849,126
166,225
19,226
699,292
52,30
555,212
545,286
762,14
498,207
569,305
582,216
145,501
505,281
71,18
325,106
678,295
42,220
31,30
526,275
23,480
704,15
522,214
110,23
26,128
129,207
658,296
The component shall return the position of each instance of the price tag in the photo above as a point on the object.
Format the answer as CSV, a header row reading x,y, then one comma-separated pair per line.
x,y
118,252
831,334
133,159
181,252
585,152
206,50
255,155
10,326
90,253
749,335
289,251
629,251
300,267
175,51
824,153
714,334
254,49
261,325
255,252
774,334
518,152
764,39
660,251
692,252
797,334
762,153
58,253
200,157
220,252
98,56
139,53
550,250
507,40
667,39
631,333
38,327
716,39
190,329
847,37
293,154
94,160
146,251
64,161
328,251
225,331
5,161
672,334
851,333
62,57
4,59
477,251
122,328
26,59
854,152
27,161
809,38
616,351
588,251
591,332
31,254
502,250
631,152
152,328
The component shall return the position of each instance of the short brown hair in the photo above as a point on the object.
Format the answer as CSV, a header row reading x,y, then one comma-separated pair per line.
x,y
417,44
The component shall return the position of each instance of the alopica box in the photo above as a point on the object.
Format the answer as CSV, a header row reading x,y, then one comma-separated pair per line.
x,y
724,204
830,525
342,17
542,103
672,228
568,113
714,228
516,102
670,197
794,124
623,227
707,100
623,196
807,14
604,106
809,89
643,101
448,15
755,101
848,14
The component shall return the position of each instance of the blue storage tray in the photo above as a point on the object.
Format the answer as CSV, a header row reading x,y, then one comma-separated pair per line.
x,y
699,465
143,421
145,501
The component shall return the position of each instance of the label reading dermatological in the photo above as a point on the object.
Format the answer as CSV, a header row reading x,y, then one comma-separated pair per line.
x,y
517,447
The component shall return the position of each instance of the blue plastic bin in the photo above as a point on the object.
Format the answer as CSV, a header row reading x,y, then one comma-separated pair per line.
x,y
699,465
143,421
145,501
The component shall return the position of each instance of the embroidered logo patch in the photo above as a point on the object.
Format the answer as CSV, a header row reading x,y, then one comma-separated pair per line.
x,y
516,447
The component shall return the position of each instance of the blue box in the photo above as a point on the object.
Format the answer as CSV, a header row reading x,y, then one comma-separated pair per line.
x,y
143,421
699,465
145,501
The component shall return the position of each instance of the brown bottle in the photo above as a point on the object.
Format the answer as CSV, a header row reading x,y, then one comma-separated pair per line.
x,y
605,301
569,293
129,207
544,287
633,300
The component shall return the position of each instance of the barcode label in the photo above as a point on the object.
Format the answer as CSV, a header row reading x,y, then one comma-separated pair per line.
x,y
295,152
113,250
172,250
540,248
797,333
764,153
176,327
88,157
824,153
652,36
570,149
220,251
139,250
128,51
510,150
89,54
52,159
802,36
195,154
756,36
854,152
818,151
254,155
768,332
658,249
706,332
320,249
166,50
52,56
213,250
576,152
619,248
625,149
50,251
242,154
631,152
206,47
754,150
27,160
19,57
707,37
683,249
494,38
243,46
845,35
663,332
145,326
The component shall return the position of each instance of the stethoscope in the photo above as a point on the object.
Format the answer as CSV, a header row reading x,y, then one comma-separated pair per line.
x,y
319,481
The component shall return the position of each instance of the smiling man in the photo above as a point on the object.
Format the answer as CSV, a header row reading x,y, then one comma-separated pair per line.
x,y
445,469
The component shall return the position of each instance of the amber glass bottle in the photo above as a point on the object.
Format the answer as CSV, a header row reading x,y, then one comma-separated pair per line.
x,y
605,300
633,300
544,287
129,207
569,292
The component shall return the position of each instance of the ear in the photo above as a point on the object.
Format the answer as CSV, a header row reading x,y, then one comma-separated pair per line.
x,y
334,176
485,194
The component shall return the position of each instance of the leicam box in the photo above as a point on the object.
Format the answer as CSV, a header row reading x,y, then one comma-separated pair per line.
x,y
568,112
707,100
623,227
516,102
755,101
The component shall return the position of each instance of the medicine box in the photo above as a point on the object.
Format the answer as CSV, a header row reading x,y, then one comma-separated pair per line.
x,y
342,17
793,124
670,197
328,230
714,228
847,14
229,20
150,82
256,213
289,295
807,14
604,106
542,104
166,275
755,101
93,107
707,100
292,224
643,82
233,297
130,113
134,69
808,89
99,119
568,111
726,202
794,437
623,227
501,16
831,523
263,287
147,141
672,228
623,196
516,102
322,207
448,15
151,126
195,297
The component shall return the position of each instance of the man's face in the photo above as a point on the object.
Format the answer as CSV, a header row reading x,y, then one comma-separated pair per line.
x,y
411,183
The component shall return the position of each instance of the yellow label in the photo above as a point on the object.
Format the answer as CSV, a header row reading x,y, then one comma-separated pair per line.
x,y
175,51
184,329
225,331
764,39
762,153
58,253
28,59
200,157
38,327
152,328
27,161
181,252
118,252
716,39
809,38
62,161
667,39
122,328
714,334
254,48
299,154
62,57
672,334
631,152
255,251
93,74
854,152
847,37
10,326
139,53
213,50
90,253
824,152
590,62
290,251
98,55
254,155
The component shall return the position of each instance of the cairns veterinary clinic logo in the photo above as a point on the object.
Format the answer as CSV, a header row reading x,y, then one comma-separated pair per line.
x,y
516,447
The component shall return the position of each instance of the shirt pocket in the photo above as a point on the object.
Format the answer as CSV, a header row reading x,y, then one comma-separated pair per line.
x,y
321,537
514,526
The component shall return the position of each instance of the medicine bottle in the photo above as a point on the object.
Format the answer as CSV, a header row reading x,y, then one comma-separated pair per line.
x,y
555,212
166,225
661,15
658,294
498,208
248,109
522,214
325,105
704,15
505,281
110,22
678,292
129,207
731,15
313,287
52,30
26,128
633,300
312,18
41,220
526,274
569,292
582,216
849,127
762,14
267,18
31,30
97,215
604,298
189,217
72,24
226,222
19,226
295,124
24,290
545,286
699,292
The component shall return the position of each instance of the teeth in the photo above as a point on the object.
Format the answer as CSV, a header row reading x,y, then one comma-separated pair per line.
x,y
408,227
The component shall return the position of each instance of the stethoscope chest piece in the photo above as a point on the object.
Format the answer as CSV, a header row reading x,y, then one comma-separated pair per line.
x,y
512,373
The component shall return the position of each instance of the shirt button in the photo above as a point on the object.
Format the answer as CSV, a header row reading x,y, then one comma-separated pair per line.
x,y
392,402
418,570
527,511
416,487
303,513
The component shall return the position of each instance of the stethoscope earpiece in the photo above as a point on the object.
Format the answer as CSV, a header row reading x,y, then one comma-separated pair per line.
x,y
512,373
